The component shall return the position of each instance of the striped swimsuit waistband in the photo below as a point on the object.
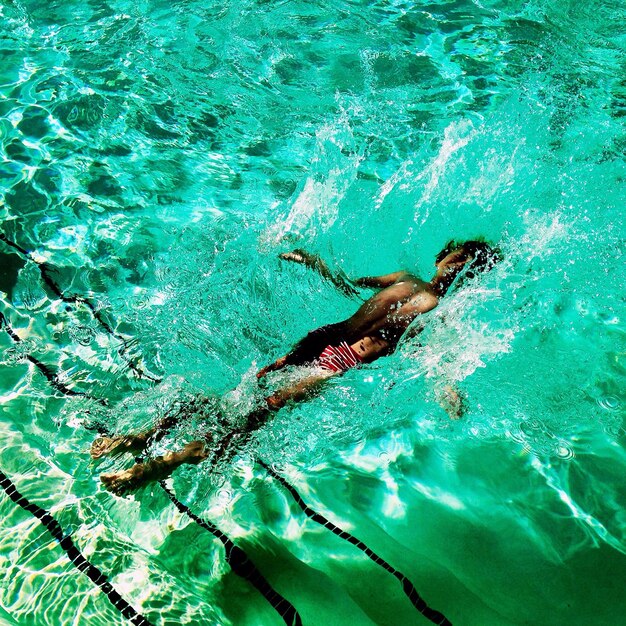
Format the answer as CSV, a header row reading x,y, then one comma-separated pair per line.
x,y
339,358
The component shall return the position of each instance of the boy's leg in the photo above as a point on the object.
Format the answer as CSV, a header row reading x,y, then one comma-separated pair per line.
x,y
159,468
301,390
106,445
196,451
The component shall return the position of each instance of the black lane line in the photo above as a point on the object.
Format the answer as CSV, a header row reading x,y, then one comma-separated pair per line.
x,y
50,376
82,564
46,270
241,564
236,558
407,586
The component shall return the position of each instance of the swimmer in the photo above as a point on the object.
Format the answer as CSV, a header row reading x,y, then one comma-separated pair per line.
x,y
372,332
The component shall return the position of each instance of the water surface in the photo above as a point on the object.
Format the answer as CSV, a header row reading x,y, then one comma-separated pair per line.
x,y
158,156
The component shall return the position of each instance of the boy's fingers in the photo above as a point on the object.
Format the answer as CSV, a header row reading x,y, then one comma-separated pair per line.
x,y
291,256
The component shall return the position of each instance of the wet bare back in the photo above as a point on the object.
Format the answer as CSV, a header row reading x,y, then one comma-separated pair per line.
x,y
380,322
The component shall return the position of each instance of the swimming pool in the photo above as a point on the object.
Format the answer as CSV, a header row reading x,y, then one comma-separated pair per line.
x,y
156,159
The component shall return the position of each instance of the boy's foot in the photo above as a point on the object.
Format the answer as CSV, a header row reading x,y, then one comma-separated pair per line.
x,y
103,446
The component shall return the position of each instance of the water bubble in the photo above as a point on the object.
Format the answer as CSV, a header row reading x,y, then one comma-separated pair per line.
x,y
610,403
18,353
480,431
83,335
224,496
564,451
142,302
613,428
531,426
12,356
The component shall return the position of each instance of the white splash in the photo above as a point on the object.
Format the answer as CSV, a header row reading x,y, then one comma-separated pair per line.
x,y
317,204
456,136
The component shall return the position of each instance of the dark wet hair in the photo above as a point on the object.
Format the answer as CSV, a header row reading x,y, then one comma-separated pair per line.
x,y
484,256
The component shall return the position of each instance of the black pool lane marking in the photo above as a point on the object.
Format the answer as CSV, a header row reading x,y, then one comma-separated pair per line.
x,y
407,586
236,558
50,376
241,564
45,269
80,562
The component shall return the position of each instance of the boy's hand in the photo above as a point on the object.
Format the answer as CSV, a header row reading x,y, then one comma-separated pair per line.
x,y
280,363
452,402
314,262
296,256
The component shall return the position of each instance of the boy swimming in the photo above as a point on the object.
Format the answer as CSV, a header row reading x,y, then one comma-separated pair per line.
x,y
372,332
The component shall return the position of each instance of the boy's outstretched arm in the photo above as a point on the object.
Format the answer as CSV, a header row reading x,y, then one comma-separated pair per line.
x,y
380,282
315,262
339,279
272,367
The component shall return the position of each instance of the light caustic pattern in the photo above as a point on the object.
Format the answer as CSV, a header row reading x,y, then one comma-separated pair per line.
x,y
158,156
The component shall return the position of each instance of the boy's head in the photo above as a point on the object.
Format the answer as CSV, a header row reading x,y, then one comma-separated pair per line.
x,y
477,255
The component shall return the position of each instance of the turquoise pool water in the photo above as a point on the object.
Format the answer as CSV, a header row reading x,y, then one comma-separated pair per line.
x,y
158,156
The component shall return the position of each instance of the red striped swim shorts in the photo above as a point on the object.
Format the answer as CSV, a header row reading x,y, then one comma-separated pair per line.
x,y
339,358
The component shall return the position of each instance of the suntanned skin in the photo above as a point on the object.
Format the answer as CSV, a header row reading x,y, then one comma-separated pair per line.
x,y
373,331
